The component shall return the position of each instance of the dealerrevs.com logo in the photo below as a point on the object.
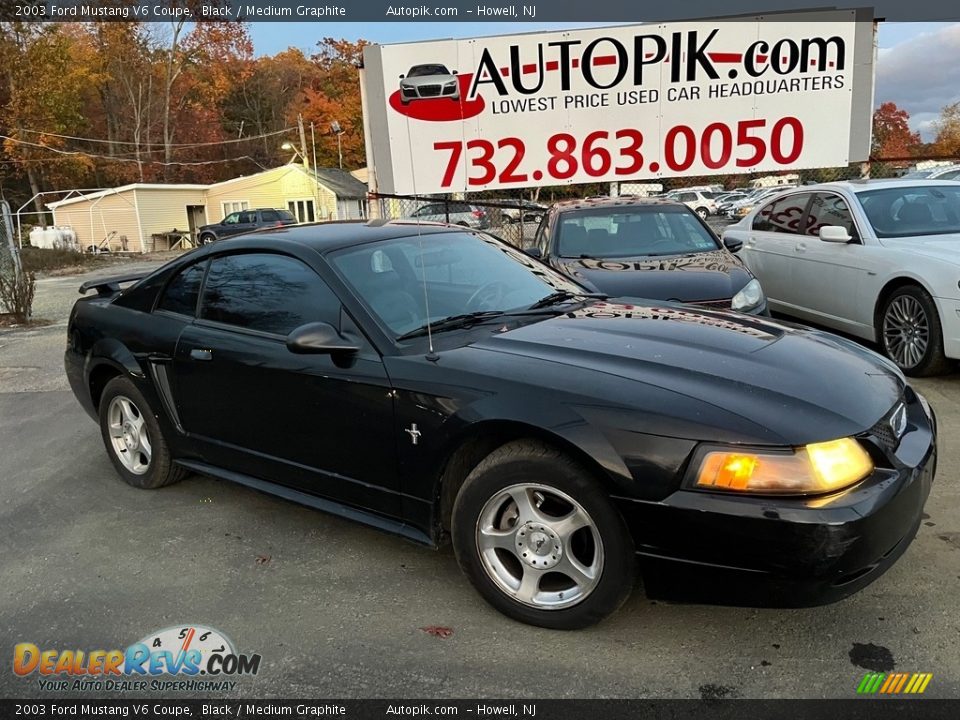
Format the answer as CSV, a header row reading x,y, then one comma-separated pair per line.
x,y
184,657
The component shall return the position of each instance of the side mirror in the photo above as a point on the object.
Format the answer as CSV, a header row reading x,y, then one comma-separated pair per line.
x,y
453,72
534,252
402,77
319,338
834,234
732,244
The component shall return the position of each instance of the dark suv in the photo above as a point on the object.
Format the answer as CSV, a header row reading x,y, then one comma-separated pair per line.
x,y
245,221
646,248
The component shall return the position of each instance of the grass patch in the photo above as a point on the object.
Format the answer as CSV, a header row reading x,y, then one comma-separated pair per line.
x,y
58,262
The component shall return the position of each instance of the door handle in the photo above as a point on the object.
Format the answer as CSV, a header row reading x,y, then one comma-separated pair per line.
x,y
801,248
198,354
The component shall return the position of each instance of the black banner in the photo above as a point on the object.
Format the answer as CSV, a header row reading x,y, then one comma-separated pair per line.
x,y
855,709
513,11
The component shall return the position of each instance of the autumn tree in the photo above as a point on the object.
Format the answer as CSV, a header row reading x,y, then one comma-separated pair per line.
x,y
947,140
335,97
891,133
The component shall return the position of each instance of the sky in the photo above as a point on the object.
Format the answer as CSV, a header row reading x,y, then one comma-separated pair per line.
x,y
918,63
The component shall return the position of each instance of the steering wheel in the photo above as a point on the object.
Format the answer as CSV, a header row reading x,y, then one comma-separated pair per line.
x,y
488,296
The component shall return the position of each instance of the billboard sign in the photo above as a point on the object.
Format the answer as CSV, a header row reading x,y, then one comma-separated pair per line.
x,y
711,97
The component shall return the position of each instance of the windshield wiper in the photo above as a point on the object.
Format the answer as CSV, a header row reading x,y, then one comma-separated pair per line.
x,y
562,296
453,322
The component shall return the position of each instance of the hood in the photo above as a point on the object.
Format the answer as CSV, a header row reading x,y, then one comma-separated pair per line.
x,y
747,378
716,275
939,247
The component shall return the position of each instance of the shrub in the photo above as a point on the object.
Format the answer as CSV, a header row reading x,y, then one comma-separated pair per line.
x,y
16,294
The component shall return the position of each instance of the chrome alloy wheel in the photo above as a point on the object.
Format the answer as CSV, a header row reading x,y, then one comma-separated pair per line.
x,y
906,331
128,435
539,546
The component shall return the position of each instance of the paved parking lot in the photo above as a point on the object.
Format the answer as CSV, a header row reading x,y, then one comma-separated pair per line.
x,y
336,609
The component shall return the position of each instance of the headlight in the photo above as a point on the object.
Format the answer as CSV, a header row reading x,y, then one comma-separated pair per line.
x,y
452,83
749,297
816,468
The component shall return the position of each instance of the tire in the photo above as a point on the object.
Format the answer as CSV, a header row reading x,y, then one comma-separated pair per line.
x,y
123,409
488,505
702,212
910,333
206,239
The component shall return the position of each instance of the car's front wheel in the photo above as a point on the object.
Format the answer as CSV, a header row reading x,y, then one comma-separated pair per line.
x,y
133,437
540,540
703,213
206,239
910,332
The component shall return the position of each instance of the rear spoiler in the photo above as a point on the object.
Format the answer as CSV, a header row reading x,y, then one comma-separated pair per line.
x,y
110,285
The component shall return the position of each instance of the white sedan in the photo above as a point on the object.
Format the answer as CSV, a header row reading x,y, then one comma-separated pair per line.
x,y
879,259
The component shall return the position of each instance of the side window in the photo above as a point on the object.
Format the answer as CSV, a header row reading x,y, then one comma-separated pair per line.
x,y
269,216
183,291
266,292
829,209
247,217
782,215
231,219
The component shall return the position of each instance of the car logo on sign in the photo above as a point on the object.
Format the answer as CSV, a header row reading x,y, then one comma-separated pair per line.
x,y
898,421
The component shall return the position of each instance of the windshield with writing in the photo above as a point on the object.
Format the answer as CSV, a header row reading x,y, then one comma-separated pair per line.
x,y
631,232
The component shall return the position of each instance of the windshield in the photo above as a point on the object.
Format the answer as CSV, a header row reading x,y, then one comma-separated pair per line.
x,y
424,70
631,232
457,273
913,210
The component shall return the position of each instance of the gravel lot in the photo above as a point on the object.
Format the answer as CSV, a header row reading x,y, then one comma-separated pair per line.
x,y
337,610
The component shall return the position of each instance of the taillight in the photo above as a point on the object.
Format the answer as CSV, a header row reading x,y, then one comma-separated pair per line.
x,y
279,223
478,213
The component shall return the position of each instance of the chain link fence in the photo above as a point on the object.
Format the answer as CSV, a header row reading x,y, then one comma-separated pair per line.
x,y
16,285
515,215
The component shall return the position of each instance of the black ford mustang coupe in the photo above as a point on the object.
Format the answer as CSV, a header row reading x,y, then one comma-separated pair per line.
x,y
430,380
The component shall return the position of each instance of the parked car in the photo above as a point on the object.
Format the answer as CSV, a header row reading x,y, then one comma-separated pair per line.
x,y
551,434
453,212
431,80
532,212
245,221
646,248
697,200
941,172
876,259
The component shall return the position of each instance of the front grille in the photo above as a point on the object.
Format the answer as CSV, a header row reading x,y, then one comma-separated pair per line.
x,y
450,90
429,90
714,304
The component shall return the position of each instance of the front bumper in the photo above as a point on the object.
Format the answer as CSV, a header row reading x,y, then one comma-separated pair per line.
x,y
789,552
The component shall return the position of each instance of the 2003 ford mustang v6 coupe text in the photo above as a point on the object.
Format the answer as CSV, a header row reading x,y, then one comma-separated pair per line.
x,y
432,381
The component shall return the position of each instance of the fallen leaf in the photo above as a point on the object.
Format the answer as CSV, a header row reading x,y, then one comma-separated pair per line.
x,y
263,559
438,631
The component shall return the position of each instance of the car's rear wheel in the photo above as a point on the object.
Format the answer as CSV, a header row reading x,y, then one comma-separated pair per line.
x,y
703,213
910,332
133,437
540,540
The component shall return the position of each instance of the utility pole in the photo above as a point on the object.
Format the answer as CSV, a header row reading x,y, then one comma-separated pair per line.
x,y
316,178
303,142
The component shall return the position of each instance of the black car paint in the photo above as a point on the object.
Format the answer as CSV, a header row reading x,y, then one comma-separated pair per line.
x,y
633,390
711,277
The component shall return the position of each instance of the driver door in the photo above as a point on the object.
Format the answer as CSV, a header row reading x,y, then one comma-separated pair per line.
x,y
319,423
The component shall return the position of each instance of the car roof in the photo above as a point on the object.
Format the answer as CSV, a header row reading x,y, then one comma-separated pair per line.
x,y
618,201
856,186
326,236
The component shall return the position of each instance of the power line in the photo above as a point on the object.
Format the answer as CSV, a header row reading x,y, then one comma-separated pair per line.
x,y
76,153
147,147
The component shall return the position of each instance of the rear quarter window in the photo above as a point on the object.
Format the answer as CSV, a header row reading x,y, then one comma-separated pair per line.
x,y
183,291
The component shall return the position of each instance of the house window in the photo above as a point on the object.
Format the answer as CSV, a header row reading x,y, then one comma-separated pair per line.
x,y
232,206
303,210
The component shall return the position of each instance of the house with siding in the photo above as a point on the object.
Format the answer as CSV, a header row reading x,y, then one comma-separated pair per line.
x,y
141,217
